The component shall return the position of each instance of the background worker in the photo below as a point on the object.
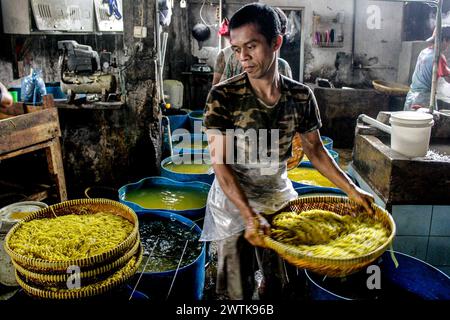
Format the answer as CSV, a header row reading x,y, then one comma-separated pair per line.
x,y
420,90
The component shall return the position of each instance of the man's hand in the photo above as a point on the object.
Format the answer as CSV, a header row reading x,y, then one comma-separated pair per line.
x,y
363,198
255,228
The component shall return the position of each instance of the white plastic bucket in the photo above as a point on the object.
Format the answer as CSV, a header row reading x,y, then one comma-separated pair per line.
x,y
411,132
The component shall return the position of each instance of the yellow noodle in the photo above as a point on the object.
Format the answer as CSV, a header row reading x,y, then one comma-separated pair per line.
x,y
325,234
70,237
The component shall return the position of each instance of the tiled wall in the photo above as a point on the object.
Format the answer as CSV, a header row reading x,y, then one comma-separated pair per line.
x,y
423,231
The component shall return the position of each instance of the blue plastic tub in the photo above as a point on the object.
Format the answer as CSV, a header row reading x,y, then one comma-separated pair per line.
x,y
308,163
190,279
189,143
193,213
327,142
195,116
187,177
310,190
414,279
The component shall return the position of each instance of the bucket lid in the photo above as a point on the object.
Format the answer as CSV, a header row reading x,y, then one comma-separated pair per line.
x,y
412,116
412,119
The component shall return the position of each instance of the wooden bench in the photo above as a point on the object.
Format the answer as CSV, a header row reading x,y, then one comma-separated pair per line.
x,y
25,129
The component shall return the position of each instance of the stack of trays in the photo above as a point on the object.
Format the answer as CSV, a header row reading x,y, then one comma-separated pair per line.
x,y
97,274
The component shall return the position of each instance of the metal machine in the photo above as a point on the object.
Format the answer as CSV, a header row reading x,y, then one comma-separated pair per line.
x,y
84,71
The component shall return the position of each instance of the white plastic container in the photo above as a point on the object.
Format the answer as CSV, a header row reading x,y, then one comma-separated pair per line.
x,y
173,89
411,132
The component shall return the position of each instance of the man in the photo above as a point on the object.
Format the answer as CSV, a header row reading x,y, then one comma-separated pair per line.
x,y
420,89
227,65
6,99
258,99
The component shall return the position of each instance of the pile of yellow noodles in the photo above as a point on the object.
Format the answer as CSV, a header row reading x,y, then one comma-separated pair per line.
x,y
325,234
70,237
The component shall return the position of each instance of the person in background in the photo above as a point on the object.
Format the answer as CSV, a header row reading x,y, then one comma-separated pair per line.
x,y
420,89
5,97
243,192
228,66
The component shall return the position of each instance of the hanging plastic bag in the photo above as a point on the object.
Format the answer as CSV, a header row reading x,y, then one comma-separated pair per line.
x,y
33,87
224,30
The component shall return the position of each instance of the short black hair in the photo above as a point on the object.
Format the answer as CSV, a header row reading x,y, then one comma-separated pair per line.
x,y
283,20
263,16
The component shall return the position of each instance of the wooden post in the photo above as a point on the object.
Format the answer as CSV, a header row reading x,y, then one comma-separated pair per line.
x,y
56,168
437,55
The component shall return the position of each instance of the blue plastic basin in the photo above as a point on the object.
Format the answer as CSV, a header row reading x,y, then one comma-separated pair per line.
x,y
189,143
187,177
192,213
308,163
195,116
189,280
414,279
327,142
311,190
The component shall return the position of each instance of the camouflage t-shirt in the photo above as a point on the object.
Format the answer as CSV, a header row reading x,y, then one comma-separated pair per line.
x,y
261,144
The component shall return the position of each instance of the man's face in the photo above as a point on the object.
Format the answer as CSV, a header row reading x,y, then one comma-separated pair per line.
x,y
252,50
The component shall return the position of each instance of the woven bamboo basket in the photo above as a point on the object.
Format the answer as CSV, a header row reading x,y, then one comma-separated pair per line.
x,y
79,207
90,290
393,89
332,267
86,276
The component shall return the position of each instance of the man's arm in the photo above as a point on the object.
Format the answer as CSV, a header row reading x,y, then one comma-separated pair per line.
x,y
6,97
254,222
322,161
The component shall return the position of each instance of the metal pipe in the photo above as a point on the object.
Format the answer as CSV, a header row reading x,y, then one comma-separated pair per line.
x,y
353,35
164,47
377,124
158,75
437,54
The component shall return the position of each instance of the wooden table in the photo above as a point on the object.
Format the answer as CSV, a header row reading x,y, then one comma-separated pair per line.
x,y
32,128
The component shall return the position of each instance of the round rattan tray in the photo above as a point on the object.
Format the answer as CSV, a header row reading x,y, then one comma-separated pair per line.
x,y
333,267
393,89
91,290
81,206
86,277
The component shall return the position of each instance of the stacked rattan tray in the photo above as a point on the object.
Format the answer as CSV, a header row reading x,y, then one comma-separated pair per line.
x,y
97,274
333,267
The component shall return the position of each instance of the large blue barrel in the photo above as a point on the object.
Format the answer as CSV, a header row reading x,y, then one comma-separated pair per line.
x,y
414,279
192,213
195,158
189,280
